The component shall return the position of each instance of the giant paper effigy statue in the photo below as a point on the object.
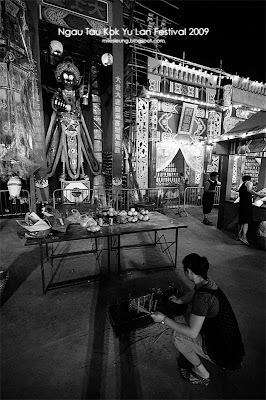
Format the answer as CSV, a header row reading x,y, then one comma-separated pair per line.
x,y
68,141
21,128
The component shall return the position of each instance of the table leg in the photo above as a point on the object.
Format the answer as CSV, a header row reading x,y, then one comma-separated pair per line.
x,y
118,255
42,269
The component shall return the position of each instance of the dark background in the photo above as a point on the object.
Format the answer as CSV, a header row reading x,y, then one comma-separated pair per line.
x,y
236,34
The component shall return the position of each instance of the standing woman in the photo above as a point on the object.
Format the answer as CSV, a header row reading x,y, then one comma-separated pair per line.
x,y
211,331
208,196
245,207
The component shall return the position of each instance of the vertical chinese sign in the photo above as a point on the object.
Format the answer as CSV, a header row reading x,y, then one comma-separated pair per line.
x,y
118,89
187,118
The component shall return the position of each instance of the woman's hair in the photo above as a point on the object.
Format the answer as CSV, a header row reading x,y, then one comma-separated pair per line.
x,y
197,264
213,174
246,178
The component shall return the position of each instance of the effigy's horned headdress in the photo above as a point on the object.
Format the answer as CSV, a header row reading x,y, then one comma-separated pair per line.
x,y
67,66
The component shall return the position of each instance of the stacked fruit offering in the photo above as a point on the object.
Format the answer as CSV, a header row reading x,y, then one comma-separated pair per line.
x,y
132,216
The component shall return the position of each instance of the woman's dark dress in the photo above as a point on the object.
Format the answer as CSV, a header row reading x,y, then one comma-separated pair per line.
x,y
245,205
208,197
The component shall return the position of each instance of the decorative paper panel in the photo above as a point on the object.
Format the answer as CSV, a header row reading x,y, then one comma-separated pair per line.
x,y
234,176
227,95
214,164
168,107
201,113
200,131
229,122
168,123
153,119
142,119
214,124
210,95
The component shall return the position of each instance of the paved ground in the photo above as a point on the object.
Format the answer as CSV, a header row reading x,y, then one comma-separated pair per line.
x,y
62,346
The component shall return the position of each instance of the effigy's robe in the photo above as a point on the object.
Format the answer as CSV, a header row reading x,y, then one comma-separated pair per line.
x,y
68,140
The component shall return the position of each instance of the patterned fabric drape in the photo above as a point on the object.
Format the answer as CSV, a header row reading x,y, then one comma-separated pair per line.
x,y
21,127
166,152
194,156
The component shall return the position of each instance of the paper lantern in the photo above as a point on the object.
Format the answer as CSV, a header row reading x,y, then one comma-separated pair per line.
x,y
14,187
56,48
107,59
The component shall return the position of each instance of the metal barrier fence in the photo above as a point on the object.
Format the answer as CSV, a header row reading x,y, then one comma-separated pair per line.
x,y
14,207
151,198
193,197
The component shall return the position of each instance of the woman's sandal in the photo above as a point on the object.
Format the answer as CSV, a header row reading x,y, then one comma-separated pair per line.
x,y
244,241
194,378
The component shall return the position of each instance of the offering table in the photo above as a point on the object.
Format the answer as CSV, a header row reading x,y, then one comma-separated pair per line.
x,y
113,233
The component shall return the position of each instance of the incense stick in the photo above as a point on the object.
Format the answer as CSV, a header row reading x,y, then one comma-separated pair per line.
x,y
140,308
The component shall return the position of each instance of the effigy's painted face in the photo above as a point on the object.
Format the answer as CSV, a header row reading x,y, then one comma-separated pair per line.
x,y
68,80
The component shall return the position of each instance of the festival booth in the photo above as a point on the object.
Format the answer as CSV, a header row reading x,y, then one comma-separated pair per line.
x,y
243,152
176,120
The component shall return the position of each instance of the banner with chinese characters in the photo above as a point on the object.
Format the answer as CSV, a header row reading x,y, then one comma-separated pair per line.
x,y
118,79
187,118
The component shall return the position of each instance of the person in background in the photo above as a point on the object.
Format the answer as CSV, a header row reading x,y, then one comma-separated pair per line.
x,y
208,196
245,207
210,331
182,186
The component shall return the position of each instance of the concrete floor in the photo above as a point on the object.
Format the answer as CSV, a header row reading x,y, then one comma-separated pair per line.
x,y
62,346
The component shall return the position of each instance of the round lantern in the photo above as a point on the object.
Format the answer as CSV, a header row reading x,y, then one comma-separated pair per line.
x,y
56,48
107,59
14,187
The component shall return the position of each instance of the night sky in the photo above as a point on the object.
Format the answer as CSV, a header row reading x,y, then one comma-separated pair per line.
x,y
236,34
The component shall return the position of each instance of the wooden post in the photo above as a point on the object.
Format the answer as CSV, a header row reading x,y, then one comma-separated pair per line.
x,y
225,176
262,174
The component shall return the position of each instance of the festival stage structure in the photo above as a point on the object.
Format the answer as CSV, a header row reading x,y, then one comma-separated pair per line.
x,y
115,111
